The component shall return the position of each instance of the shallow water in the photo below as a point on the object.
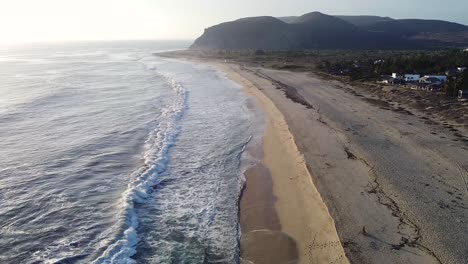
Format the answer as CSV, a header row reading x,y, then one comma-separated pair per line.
x,y
109,154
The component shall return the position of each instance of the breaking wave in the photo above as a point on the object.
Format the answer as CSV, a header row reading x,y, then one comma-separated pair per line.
x,y
157,147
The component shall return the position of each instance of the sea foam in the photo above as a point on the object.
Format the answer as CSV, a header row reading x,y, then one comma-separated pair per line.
x,y
157,147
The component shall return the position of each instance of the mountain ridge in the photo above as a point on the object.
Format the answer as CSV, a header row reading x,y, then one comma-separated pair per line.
x,y
364,20
318,30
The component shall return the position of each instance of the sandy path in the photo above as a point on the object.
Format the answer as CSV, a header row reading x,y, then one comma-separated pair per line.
x,y
291,224
394,182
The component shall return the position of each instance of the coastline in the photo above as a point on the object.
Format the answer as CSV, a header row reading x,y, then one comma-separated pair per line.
x,y
282,215
393,178
367,162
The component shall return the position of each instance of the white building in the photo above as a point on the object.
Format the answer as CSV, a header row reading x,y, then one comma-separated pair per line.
x,y
412,77
442,78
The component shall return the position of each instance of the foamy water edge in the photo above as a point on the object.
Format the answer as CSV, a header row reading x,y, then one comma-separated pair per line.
x,y
157,147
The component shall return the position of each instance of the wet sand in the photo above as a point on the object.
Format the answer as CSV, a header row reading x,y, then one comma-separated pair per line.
x,y
261,229
393,178
283,217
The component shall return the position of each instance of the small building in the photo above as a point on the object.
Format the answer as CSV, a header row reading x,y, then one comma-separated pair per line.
x,y
461,69
430,80
391,79
442,78
412,77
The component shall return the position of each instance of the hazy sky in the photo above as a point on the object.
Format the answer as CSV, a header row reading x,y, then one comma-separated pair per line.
x,y
51,20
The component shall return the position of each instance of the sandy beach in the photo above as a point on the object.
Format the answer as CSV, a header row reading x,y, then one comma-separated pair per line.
x,y
393,178
394,181
283,217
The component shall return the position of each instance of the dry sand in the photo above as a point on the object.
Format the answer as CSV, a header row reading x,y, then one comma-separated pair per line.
x,y
283,217
394,179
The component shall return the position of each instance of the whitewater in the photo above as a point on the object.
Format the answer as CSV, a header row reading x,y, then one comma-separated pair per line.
x,y
112,154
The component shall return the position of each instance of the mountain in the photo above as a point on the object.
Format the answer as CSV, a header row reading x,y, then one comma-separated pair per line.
x,y
323,21
359,21
289,19
318,30
362,21
248,33
434,30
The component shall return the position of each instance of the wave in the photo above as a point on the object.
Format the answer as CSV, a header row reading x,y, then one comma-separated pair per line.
x,y
157,147
78,53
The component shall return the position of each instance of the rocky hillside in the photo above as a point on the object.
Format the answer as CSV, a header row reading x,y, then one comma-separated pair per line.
x,y
435,30
316,30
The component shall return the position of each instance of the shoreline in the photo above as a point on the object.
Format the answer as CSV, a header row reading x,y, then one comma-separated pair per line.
x,y
282,215
353,149
393,178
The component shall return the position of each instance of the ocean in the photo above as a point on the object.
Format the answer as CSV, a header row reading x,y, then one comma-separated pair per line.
x,y
110,154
